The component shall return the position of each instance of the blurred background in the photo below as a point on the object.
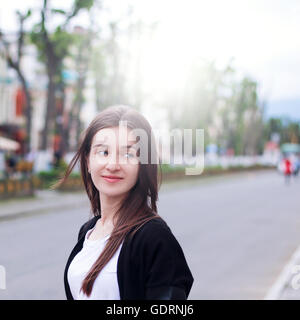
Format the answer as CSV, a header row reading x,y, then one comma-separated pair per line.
x,y
229,67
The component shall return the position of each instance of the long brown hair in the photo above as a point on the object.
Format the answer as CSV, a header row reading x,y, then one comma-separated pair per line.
x,y
139,206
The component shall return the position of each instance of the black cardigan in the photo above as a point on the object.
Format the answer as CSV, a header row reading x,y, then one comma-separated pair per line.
x,y
151,265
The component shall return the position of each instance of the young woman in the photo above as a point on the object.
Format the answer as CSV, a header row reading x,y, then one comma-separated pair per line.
x,y
126,251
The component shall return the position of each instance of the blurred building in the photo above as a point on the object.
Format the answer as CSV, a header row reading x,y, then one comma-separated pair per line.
x,y
12,101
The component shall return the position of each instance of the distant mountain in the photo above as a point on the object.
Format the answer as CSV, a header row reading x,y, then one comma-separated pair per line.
x,y
284,108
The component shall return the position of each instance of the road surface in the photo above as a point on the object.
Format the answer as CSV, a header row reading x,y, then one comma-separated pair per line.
x,y
237,233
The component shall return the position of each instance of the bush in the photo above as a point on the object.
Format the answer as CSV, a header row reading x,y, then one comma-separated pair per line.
x,y
48,178
166,168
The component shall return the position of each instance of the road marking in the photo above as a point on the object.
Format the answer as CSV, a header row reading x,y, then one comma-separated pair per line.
x,y
277,288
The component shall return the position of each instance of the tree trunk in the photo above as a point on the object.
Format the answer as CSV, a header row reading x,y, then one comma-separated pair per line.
x,y
49,111
28,112
60,128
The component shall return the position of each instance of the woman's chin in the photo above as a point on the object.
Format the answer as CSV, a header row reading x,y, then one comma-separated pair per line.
x,y
108,192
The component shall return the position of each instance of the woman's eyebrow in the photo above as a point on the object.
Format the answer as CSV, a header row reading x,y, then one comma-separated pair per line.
x,y
100,145
105,145
127,147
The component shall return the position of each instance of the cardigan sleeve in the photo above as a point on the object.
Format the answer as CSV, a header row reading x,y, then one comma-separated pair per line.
x,y
167,275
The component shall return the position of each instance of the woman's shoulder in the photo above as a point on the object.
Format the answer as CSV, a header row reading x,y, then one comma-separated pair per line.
x,y
156,222
157,249
155,225
155,232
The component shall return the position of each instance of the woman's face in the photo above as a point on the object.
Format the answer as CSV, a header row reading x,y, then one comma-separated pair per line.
x,y
113,164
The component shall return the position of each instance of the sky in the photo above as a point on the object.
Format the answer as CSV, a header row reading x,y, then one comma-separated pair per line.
x,y
261,36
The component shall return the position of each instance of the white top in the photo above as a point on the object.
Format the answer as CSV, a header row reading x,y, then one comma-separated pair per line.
x,y
106,284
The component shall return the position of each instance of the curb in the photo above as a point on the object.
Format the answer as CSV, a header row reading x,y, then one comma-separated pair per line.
x,y
35,208
276,290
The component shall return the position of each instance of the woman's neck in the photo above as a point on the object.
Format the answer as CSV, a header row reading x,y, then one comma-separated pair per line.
x,y
109,206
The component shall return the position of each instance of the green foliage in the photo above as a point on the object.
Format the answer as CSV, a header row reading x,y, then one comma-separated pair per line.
x,y
166,168
48,178
25,16
61,41
36,37
61,166
288,130
83,4
58,11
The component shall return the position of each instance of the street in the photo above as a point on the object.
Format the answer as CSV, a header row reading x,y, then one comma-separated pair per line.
x,y
237,233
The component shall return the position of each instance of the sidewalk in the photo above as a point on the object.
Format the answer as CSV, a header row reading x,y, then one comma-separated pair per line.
x,y
46,200
43,201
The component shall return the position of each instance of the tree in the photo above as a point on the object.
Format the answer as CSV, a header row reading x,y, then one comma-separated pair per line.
x,y
108,68
227,109
53,48
196,106
117,61
81,56
249,118
15,63
288,130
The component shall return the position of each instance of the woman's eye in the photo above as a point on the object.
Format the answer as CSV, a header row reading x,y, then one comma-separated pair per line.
x,y
104,152
129,155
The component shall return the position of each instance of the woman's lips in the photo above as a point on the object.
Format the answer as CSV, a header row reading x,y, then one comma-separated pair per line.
x,y
111,180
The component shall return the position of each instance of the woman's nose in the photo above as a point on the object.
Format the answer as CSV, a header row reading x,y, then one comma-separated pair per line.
x,y
113,163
